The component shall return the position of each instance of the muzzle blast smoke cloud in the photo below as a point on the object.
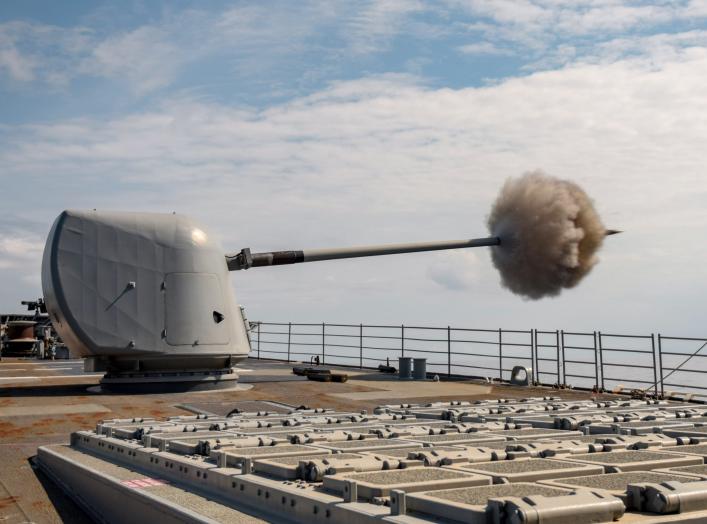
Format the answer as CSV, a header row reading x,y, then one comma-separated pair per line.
x,y
549,234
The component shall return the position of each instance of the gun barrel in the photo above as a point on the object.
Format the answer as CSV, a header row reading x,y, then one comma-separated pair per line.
x,y
245,259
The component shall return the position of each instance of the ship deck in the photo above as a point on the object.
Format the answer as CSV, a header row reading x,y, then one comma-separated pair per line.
x,y
43,402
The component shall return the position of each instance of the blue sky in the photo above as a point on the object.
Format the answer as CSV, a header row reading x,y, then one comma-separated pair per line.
x,y
304,124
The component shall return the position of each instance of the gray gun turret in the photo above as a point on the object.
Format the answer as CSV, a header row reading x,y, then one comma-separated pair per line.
x,y
147,297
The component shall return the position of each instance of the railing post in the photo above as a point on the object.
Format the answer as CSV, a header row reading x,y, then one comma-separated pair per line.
x,y
601,360
564,364
557,355
533,354
360,345
402,340
323,351
500,354
259,340
596,361
660,363
289,337
655,365
449,352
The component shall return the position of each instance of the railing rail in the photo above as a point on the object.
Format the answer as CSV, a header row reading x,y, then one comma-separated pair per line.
x,y
565,358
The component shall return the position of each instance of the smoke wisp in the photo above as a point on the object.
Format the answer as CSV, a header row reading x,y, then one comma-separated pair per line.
x,y
549,231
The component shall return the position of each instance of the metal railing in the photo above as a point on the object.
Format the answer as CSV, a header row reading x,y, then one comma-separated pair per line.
x,y
589,360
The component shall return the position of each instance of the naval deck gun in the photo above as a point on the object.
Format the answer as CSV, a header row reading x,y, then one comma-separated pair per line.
x,y
147,297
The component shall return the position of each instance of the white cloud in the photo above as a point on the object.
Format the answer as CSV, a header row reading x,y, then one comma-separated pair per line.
x,y
542,25
696,8
248,40
19,67
318,39
485,48
611,18
405,139
33,51
20,259
370,29
281,30
145,58
20,247
659,48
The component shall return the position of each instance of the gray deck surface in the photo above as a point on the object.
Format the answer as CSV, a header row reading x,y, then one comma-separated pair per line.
x,y
54,401
521,466
699,449
479,495
402,476
619,481
622,457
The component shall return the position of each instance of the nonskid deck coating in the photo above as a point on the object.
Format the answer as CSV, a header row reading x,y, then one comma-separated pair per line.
x,y
457,437
272,450
44,410
622,457
655,423
699,449
479,495
224,408
401,453
619,481
404,476
584,439
700,469
489,444
538,432
696,429
293,461
520,465
369,443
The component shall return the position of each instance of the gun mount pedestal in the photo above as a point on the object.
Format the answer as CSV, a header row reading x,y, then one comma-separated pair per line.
x,y
169,382
164,375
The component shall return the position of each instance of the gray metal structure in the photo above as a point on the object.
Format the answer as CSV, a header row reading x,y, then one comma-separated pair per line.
x,y
147,297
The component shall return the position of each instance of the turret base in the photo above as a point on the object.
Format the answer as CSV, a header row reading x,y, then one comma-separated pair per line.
x,y
169,381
